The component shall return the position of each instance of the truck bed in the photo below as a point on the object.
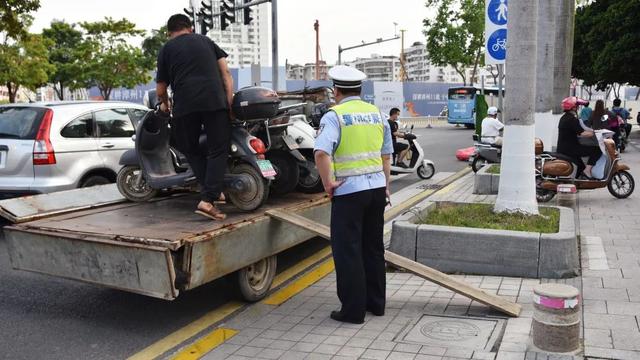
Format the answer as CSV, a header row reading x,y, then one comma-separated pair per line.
x,y
156,248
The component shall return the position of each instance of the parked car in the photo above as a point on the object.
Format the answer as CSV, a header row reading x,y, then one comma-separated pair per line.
x,y
46,147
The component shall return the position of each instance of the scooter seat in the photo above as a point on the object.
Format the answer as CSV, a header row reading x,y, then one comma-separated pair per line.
x,y
559,156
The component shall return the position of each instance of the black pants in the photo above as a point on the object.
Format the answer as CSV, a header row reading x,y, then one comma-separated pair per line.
x,y
208,164
593,152
357,222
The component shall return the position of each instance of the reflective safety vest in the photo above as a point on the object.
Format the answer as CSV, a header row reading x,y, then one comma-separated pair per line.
x,y
361,139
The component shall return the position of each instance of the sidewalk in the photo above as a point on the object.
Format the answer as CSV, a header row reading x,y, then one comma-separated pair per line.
x,y
415,326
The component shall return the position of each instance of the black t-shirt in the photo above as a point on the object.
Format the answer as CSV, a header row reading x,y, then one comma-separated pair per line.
x,y
394,129
189,64
568,130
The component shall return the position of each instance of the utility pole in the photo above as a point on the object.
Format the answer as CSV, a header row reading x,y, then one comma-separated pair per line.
x,y
274,44
403,61
316,27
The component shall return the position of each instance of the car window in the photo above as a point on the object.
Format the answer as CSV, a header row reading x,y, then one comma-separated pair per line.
x,y
137,115
114,123
81,127
20,122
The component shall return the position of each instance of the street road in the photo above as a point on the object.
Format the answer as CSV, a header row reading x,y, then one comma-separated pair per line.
x,y
43,317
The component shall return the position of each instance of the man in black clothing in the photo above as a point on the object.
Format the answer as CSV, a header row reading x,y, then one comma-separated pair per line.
x,y
399,149
569,130
196,69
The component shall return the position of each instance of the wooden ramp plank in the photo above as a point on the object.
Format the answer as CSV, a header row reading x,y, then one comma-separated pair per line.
x,y
423,271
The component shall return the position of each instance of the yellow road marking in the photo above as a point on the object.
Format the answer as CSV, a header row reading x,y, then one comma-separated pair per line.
x,y
206,344
300,267
297,286
187,332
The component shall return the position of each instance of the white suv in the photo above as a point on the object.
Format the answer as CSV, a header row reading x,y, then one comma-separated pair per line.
x,y
47,147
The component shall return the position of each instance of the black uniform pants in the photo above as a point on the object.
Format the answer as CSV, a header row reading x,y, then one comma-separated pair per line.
x,y
357,222
208,164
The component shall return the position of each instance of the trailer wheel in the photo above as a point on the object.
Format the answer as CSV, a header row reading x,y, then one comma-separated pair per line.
x,y
255,280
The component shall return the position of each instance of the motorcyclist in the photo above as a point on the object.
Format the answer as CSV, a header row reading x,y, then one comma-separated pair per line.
x,y
492,128
399,149
569,129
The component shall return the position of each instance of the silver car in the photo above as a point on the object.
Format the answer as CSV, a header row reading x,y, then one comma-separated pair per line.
x,y
47,147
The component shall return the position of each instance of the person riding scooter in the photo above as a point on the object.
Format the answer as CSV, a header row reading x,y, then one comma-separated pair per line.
x,y
399,149
492,128
569,129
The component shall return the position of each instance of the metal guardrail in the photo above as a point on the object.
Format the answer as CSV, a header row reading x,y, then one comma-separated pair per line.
x,y
424,121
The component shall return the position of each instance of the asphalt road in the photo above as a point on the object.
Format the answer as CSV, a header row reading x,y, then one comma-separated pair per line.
x,y
42,317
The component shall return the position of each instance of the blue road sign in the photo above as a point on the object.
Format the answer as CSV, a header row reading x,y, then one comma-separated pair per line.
x,y
497,11
497,44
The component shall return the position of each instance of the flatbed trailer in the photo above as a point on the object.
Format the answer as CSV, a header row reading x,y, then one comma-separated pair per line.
x,y
158,248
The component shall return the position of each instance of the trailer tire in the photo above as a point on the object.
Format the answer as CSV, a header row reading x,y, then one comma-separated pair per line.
x,y
254,281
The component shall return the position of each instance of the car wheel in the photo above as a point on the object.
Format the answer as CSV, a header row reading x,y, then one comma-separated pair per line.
x,y
94,180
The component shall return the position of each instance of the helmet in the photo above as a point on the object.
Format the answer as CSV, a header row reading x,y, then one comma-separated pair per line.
x,y
492,110
572,102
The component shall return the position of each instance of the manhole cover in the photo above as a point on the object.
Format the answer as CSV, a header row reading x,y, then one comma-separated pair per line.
x,y
452,331
429,187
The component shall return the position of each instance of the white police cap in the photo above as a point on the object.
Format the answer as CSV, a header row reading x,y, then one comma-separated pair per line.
x,y
346,77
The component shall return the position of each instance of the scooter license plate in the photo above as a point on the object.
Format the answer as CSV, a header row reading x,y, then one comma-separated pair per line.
x,y
266,168
291,142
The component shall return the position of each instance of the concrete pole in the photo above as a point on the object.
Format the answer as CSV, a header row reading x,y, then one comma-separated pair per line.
x,y
546,123
517,191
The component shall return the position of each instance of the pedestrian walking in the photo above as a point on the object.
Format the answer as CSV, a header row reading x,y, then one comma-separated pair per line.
x,y
353,155
196,69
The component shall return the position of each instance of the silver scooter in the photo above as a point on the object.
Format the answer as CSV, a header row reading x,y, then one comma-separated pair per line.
x,y
484,154
417,162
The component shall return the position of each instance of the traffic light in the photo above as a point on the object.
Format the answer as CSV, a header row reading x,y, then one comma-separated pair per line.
x,y
206,17
191,14
227,13
247,13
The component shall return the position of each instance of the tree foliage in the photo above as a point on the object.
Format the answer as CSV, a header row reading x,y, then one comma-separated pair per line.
x,y
63,54
152,44
606,50
24,63
12,14
107,60
455,36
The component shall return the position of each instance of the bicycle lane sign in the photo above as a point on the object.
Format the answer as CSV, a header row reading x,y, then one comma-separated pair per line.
x,y
496,14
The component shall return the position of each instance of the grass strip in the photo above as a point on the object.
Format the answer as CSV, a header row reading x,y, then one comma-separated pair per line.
x,y
482,216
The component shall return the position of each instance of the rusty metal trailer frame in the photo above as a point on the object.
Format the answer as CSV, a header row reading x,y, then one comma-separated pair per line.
x,y
64,243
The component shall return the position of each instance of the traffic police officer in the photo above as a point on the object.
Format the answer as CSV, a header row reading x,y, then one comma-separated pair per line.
x,y
353,156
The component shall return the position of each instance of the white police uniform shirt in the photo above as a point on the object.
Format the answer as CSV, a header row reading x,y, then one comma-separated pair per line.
x,y
328,139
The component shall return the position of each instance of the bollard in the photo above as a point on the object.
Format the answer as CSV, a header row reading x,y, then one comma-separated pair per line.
x,y
556,318
567,194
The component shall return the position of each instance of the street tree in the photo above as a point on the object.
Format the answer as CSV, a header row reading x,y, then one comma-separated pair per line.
x,y
563,51
517,191
152,44
455,36
606,47
107,60
12,15
24,63
64,54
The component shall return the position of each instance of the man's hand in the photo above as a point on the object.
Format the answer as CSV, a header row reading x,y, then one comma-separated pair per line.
x,y
331,187
388,195
164,107
587,134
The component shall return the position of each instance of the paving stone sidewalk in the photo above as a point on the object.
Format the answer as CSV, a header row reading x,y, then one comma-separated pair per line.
x,y
300,328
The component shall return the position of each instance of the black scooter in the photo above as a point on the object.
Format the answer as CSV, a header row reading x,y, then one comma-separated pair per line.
x,y
156,165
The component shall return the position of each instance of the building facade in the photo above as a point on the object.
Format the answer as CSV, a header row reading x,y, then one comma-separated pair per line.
x,y
245,44
379,68
307,71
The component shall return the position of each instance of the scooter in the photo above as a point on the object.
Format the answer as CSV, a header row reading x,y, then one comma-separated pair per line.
x,y
484,154
424,167
553,169
303,133
155,165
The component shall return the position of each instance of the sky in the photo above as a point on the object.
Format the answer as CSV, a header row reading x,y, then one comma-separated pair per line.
x,y
342,22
